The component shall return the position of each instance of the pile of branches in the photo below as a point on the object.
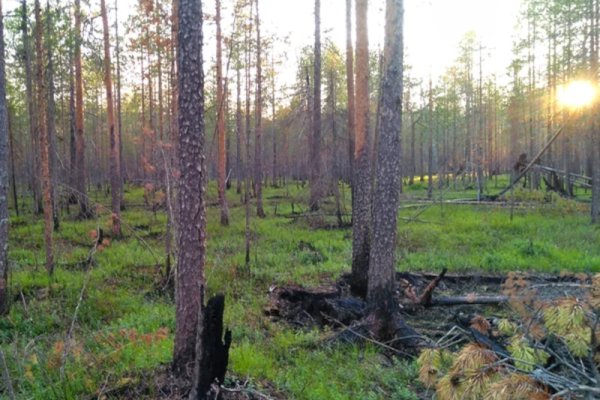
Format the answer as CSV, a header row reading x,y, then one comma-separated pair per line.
x,y
547,349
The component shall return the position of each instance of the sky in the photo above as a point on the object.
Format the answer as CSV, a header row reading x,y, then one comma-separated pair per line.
x,y
433,29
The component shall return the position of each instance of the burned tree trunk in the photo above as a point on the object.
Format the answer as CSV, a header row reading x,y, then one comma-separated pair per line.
x,y
380,293
212,349
361,182
192,212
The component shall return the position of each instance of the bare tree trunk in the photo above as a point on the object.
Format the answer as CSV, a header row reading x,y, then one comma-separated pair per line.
x,y
173,150
361,204
430,144
31,109
238,132
350,86
316,185
80,184
380,295
247,163
222,161
4,302
115,171
72,140
51,115
273,136
258,172
119,113
44,140
192,212
13,175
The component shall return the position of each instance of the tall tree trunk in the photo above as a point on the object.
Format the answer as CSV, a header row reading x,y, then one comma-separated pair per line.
x,y
192,212
119,113
350,87
72,129
159,50
361,204
115,171
31,110
4,301
275,172
430,130
13,174
238,131
221,133
80,184
316,185
44,140
247,163
51,115
381,287
258,172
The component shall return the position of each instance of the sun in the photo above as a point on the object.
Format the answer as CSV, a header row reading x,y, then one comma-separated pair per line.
x,y
577,94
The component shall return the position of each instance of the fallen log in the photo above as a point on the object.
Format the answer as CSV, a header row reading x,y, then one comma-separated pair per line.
x,y
448,301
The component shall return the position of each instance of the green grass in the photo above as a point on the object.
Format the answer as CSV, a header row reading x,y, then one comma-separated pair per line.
x,y
124,327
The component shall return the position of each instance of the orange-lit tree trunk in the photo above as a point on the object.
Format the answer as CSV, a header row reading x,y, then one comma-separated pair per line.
x,y
4,303
44,140
80,188
222,161
115,175
361,203
258,172
192,212
316,184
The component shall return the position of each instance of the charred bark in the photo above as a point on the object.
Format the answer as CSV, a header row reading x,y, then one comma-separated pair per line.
x,y
192,212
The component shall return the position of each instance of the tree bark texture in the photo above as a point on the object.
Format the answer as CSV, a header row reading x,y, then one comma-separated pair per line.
x,y
361,203
192,213
387,186
42,129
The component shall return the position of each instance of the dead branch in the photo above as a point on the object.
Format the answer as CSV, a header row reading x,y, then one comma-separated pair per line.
x,y
425,298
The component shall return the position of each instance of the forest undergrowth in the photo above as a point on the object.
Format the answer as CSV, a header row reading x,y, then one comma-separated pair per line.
x,y
102,330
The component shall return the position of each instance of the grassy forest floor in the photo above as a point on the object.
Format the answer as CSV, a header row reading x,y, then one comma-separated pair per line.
x,y
124,325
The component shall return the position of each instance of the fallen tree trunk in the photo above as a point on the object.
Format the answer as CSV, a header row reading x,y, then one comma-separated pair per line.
x,y
459,301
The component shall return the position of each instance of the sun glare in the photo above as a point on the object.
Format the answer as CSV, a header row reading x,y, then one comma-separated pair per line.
x,y
577,94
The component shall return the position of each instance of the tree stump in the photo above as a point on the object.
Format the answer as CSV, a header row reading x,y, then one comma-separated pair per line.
x,y
212,349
